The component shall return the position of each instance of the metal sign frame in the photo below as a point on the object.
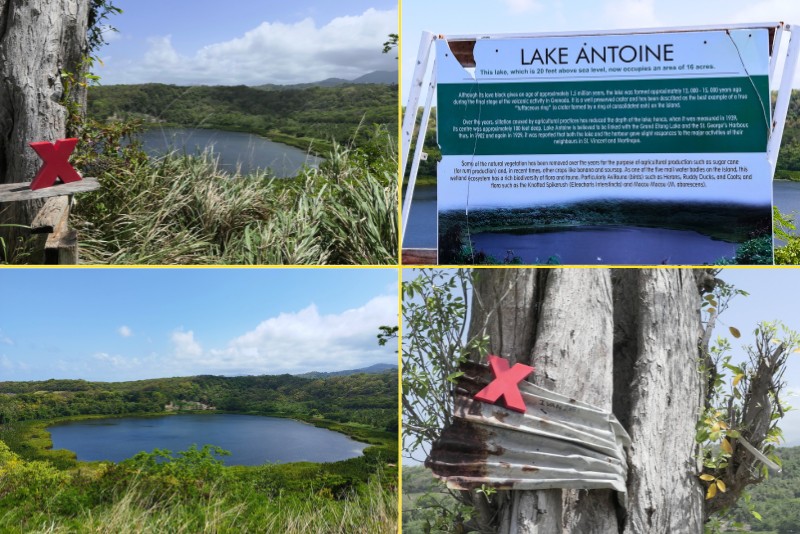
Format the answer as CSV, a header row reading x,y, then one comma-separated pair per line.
x,y
421,71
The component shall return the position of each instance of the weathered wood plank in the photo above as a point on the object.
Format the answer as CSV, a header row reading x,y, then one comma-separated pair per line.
x,y
21,191
62,248
55,210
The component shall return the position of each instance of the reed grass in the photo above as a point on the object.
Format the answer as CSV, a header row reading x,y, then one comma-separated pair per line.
x,y
181,209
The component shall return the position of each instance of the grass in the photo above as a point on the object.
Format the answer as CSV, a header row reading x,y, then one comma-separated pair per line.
x,y
193,492
184,210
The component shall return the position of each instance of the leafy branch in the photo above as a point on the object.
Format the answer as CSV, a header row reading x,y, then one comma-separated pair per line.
x,y
738,431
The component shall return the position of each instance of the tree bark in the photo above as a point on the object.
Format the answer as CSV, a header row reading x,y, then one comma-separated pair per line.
x,y
624,340
39,39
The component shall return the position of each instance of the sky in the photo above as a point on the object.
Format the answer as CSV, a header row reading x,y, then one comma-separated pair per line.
x,y
129,324
250,42
459,17
774,294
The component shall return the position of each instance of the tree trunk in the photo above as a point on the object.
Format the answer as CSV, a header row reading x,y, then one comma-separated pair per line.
x,y
625,340
39,39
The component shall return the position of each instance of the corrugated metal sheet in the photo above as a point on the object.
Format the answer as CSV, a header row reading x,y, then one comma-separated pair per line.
x,y
557,443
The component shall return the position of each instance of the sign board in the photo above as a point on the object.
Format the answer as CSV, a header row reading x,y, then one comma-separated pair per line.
x,y
640,148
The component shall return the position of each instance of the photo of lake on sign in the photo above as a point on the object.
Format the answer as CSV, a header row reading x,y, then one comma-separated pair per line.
x,y
639,148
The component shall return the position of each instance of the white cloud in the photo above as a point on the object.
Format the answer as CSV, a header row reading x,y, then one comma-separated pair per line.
x,y
630,14
124,331
110,34
523,6
272,52
117,361
4,339
185,345
302,341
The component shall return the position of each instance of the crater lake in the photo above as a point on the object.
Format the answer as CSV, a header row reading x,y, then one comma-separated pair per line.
x,y
235,150
251,439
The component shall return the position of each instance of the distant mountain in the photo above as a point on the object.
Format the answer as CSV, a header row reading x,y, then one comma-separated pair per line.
x,y
378,368
383,77
378,76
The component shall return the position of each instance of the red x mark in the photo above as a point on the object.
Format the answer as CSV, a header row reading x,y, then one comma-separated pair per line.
x,y
505,384
56,163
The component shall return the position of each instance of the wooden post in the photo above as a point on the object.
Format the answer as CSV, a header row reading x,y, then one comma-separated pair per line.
x,y
61,247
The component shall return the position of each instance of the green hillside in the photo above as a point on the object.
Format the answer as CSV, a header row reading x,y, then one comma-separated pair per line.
x,y
776,500
295,116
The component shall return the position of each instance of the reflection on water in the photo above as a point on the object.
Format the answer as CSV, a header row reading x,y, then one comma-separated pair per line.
x,y
236,150
603,245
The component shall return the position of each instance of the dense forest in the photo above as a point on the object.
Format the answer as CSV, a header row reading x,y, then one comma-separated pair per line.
x,y
369,399
776,501
788,167
294,115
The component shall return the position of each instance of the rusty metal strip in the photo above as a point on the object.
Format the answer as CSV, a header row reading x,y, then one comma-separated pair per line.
x,y
558,443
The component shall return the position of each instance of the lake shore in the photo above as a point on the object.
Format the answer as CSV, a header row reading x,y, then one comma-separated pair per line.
x,y
315,147
32,439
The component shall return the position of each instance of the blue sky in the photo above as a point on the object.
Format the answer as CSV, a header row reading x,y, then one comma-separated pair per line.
x,y
456,17
127,324
247,42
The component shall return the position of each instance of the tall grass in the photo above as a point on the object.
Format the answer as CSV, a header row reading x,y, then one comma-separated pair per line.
x,y
182,209
372,510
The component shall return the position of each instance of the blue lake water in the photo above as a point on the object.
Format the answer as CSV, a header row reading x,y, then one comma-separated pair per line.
x,y
236,150
604,245
421,228
251,439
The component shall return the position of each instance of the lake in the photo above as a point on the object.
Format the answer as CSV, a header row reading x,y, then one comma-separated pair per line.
x,y
607,245
245,151
251,439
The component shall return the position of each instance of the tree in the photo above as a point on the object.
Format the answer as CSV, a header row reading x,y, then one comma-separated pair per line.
x,y
632,342
628,341
602,337
40,42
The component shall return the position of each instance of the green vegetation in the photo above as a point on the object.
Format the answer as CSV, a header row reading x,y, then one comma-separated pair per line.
x,y
788,167
784,230
192,491
428,506
776,500
183,210
361,398
426,174
309,118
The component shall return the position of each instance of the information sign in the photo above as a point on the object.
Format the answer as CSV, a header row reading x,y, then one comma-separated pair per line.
x,y
613,149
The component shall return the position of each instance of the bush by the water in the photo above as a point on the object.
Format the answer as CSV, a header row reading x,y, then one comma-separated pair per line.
x,y
193,492
181,209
